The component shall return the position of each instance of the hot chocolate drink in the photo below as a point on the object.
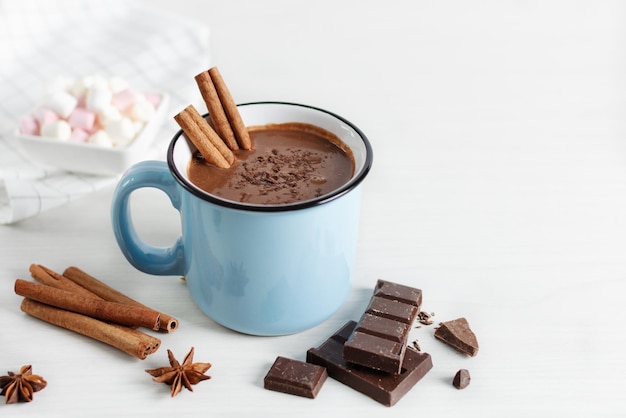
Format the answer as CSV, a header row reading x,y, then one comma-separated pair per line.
x,y
289,162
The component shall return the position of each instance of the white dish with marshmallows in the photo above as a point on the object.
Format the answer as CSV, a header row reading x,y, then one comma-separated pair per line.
x,y
94,125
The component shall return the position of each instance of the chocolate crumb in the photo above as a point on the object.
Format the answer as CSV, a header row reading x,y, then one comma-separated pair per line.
x,y
461,379
416,345
424,318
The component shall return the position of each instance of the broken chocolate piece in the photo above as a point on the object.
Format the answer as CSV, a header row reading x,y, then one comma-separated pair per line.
x,y
385,388
457,334
380,338
461,379
295,377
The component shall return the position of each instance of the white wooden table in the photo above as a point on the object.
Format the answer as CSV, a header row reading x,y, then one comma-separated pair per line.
x,y
498,188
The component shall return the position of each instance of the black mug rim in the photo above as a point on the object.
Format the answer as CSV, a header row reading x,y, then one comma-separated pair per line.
x,y
335,194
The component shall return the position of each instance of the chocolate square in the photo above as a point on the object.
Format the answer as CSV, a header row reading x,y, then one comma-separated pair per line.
x,y
383,327
295,377
392,309
374,352
399,292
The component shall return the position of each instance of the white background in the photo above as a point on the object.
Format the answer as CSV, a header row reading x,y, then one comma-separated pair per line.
x,y
498,188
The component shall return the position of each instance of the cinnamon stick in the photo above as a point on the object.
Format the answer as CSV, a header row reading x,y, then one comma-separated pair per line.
x,y
85,280
96,308
231,110
197,136
51,278
128,340
210,134
216,110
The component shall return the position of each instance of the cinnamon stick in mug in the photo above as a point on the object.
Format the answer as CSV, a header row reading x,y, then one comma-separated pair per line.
x,y
211,135
92,307
230,107
216,110
197,136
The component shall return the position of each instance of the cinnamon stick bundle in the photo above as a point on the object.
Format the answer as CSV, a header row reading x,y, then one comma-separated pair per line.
x,y
228,132
95,286
128,340
117,313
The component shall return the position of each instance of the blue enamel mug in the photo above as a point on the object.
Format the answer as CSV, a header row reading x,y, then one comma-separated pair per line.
x,y
256,269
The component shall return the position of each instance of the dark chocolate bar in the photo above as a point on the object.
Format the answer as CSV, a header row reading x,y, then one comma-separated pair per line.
x,y
380,338
295,377
458,334
385,388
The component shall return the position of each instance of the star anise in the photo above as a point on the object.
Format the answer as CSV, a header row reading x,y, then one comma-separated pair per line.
x,y
20,387
179,375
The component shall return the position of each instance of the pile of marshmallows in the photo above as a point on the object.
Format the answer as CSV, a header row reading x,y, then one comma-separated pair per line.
x,y
94,109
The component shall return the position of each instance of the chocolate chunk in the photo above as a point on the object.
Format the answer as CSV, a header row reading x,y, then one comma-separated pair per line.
x,y
385,388
380,338
461,379
295,377
457,334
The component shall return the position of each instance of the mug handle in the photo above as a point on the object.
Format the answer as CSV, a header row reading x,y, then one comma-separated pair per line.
x,y
150,259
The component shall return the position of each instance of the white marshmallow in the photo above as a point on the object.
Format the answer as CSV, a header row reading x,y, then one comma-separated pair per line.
x,y
117,84
61,102
59,129
58,83
98,98
109,115
77,89
100,138
142,110
120,131
98,81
